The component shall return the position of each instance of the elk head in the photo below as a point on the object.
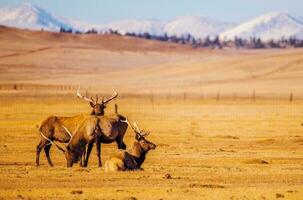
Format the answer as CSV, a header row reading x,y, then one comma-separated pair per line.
x,y
140,137
73,155
98,107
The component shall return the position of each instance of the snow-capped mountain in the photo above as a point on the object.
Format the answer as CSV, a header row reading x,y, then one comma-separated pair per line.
x,y
83,26
31,17
152,27
270,26
196,26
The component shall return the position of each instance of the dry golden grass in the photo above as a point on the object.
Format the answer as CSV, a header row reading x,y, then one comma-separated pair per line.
x,y
222,150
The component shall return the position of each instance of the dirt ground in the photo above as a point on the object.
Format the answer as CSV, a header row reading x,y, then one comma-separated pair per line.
x,y
211,149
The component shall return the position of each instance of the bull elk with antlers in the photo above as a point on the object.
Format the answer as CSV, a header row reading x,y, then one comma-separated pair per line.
x,y
112,127
131,160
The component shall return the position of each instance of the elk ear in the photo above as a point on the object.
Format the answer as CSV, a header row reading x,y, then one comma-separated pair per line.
x,y
92,104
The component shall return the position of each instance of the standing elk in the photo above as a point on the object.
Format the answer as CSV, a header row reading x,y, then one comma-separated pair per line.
x,y
82,136
77,131
125,160
112,127
60,129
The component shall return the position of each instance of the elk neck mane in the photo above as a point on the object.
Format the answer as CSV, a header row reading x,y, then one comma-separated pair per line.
x,y
138,153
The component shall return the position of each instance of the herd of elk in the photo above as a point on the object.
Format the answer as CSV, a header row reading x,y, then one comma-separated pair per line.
x,y
84,130
81,130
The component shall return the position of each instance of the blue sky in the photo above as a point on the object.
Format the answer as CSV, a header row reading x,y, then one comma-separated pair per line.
x,y
103,11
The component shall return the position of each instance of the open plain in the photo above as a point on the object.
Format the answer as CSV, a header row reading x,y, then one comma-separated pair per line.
x,y
227,123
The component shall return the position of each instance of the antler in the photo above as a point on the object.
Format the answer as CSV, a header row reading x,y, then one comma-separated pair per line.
x,y
145,134
84,97
134,127
139,131
114,95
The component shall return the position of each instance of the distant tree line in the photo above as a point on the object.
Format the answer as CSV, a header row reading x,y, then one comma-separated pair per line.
x,y
216,42
90,31
207,42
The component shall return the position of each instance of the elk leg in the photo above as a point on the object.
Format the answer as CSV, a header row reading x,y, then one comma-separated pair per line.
x,y
46,149
82,157
39,148
98,147
120,144
70,162
89,149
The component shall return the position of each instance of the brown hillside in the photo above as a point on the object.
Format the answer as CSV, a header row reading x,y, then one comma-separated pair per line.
x,y
137,65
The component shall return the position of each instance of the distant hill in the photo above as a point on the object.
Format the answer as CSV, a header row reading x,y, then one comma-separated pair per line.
x,y
135,65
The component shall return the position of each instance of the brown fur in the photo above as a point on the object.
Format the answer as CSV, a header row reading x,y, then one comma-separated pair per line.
x,y
130,160
53,129
112,129
83,135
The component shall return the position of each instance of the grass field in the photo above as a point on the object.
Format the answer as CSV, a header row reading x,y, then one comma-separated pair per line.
x,y
207,147
225,150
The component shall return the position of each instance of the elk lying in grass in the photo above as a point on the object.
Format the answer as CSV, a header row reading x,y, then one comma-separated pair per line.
x,y
113,127
77,131
125,160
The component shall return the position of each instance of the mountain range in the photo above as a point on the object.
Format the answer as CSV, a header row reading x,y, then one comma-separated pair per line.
x,y
275,25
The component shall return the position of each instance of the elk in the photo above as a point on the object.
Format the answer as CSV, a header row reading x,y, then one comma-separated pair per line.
x,y
82,136
77,131
98,108
112,127
131,160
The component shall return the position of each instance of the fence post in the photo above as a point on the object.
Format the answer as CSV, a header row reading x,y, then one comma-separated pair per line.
x,y
116,108
291,97
184,96
234,96
218,96
254,95
152,100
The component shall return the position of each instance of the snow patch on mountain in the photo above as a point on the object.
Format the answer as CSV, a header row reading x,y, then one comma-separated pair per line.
x,y
152,27
196,26
275,25
31,17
